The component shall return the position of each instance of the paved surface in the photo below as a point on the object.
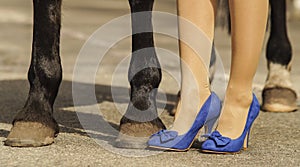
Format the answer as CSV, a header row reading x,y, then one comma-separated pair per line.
x,y
274,140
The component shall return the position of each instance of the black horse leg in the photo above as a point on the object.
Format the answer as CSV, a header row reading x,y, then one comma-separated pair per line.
x,y
141,119
34,125
278,94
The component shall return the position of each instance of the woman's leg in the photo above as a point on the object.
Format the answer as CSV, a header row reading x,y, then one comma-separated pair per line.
x,y
194,67
248,29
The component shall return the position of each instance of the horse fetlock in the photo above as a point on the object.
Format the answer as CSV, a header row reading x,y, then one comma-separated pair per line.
x,y
278,76
149,77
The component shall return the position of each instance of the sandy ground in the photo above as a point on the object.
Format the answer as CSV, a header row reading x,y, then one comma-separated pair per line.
x,y
274,140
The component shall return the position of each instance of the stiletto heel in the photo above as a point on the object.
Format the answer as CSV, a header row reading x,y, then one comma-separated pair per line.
x,y
216,143
170,140
209,125
246,141
208,128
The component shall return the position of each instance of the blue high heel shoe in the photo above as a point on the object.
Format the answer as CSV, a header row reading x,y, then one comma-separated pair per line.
x,y
170,140
216,143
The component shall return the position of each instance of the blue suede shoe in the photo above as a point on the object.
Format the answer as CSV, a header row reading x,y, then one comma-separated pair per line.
x,y
216,143
170,140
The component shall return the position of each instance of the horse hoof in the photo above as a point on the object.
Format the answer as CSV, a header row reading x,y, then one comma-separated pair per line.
x,y
30,134
134,135
279,100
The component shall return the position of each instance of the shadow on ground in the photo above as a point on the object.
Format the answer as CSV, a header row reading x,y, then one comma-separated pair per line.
x,y
14,94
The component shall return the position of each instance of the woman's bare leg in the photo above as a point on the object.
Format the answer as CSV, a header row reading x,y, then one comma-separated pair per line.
x,y
195,88
248,29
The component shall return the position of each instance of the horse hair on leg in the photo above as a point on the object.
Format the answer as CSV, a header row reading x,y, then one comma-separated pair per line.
x,y
278,93
141,118
34,125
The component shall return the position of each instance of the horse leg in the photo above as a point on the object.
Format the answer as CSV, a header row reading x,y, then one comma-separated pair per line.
x,y
278,94
34,125
141,119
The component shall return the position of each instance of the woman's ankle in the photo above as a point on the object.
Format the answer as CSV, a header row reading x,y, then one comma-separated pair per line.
x,y
188,108
234,113
240,97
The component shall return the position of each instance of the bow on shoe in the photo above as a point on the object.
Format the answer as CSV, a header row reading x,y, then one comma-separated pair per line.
x,y
166,135
219,139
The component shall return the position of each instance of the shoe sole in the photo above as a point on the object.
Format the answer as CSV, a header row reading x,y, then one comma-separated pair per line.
x,y
216,152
